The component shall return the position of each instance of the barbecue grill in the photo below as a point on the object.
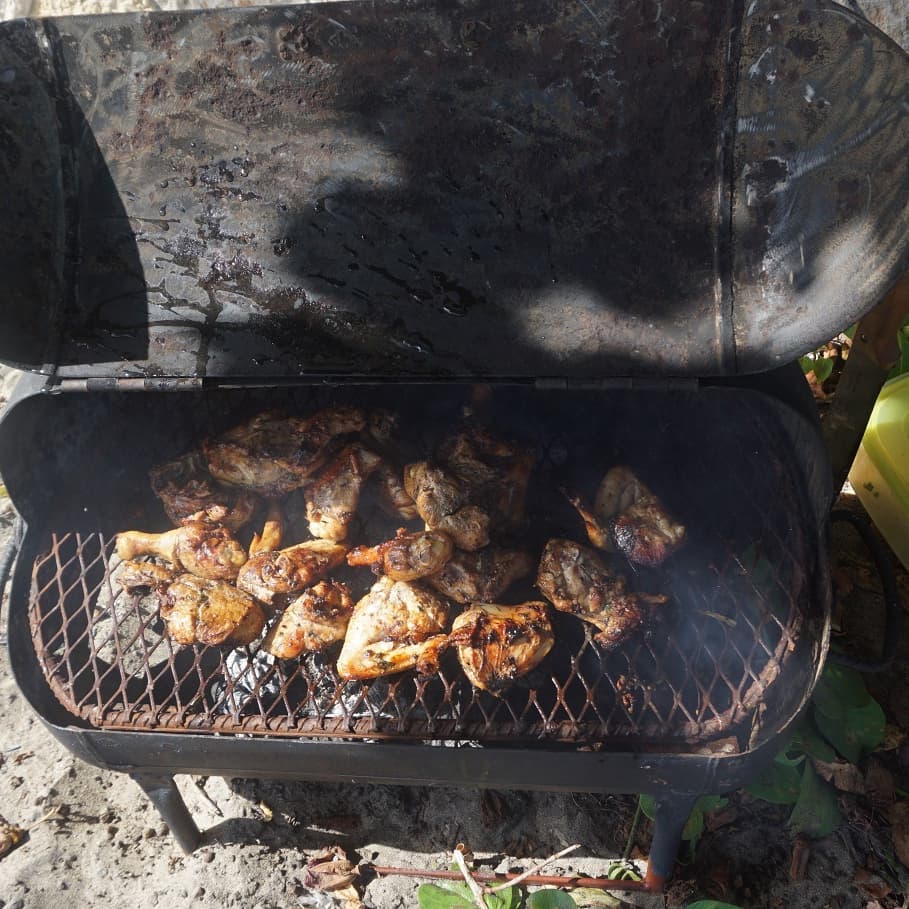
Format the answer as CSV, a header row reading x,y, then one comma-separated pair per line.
x,y
600,228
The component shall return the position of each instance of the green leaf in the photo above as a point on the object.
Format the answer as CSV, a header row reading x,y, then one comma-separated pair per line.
x,y
429,896
857,732
807,364
711,904
509,898
808,740
647,805
780,783
823,367
695,825
816,813
588,898
839,690
551,899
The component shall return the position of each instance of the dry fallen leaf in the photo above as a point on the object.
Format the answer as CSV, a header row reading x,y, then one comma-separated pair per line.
x,y
879,783
10,836
841,775
330,870
874,885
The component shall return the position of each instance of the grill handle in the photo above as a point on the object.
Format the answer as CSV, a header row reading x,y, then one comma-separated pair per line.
x,y
884,567
9,554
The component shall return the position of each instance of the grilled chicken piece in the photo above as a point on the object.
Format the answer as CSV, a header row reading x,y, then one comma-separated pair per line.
x,y
273,454
497,644
407,557
200,611
392,495
495,472
332,499
186,488
284,571
442,502
313,621
576,580
481,577
133,575
639,523
272,530
203,549
396,626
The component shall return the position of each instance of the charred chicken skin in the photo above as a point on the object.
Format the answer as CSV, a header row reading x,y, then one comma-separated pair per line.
x,y
481,577
407,557
315,620
442,502
398,625
203,549
627,517
197,610
332,498
497,644
188,492
576,580
285,571
274,454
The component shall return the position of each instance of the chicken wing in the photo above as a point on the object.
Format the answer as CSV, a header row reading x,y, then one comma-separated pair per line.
x,y
396,626
200,611
332,499
203,549
313,621
442,502
133,575
270,574
272,530
497,644
481,577
640,525
186,489
407,557
273,454
576,580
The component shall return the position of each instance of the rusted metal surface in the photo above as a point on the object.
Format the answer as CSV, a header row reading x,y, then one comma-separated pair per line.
x,y
731,656
469,188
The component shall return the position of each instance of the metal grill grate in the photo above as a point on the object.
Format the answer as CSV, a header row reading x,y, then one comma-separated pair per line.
x,y
739,598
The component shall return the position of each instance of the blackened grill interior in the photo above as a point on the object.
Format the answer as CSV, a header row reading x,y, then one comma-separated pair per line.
x,y
740,630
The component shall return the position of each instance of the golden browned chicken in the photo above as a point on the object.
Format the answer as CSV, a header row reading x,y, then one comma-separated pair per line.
x,y
481,577
274,454
197,610
393,496
332,498
627,517
398,625
407,557
577,581
313,621
272,530
200,611
495,472
284,571
497,644
186,489
442,502
203,549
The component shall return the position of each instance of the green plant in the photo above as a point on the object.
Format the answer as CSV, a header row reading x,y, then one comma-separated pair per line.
x,y
843,719
902,338
458,896
695,826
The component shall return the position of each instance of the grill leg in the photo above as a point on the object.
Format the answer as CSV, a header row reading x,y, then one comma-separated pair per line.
x,y
164,795
670,816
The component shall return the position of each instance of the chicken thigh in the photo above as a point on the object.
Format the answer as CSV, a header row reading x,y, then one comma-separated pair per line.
x,y
396,626
497,644
480,577
313,621
577,581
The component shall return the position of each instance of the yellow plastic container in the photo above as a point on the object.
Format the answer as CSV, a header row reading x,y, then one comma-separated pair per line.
x,y
880,472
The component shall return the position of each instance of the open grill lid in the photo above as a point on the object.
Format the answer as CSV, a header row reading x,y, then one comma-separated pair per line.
x,y
463,188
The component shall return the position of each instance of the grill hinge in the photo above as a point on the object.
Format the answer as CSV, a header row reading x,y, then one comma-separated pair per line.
x,y
111,383
612,383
